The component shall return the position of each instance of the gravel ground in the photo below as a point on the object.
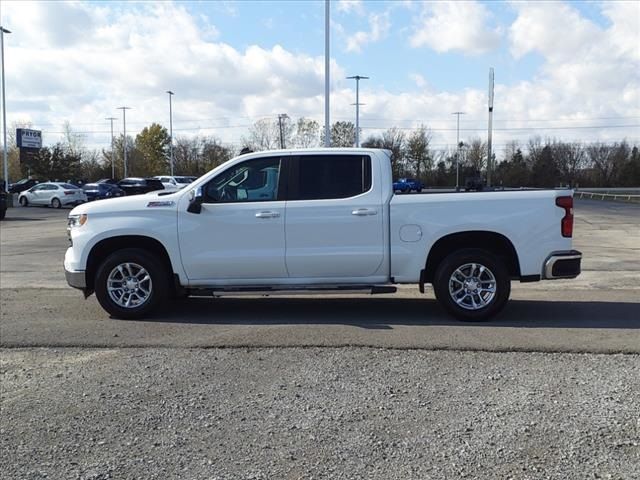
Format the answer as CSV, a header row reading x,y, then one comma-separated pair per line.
x,y
317,413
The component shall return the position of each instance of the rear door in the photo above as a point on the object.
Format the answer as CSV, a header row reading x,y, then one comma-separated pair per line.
x,y
334,217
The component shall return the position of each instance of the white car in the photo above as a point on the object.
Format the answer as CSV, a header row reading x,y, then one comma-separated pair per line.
x,y
173,183
54,194
317,220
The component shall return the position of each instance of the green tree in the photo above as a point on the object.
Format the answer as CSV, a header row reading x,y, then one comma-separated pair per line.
x,y
55,164
152,145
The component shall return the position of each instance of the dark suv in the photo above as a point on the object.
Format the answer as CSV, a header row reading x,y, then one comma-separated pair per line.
x,y
22,185
136,186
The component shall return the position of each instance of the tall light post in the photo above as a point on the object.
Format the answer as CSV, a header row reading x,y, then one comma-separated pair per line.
x,y
124,143
357,78
327,126
170,131
113,164
458,151
490,129
4,112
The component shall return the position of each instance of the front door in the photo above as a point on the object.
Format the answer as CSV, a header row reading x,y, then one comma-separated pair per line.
x,y
239,234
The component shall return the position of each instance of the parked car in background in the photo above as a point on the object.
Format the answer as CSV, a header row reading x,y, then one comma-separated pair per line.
x,y
173,183
406,185
54,194
100,191
136,186
22,185
3,200
474,183
112,181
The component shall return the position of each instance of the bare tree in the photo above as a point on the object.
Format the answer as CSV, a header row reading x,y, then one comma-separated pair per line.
x,y
602,160
417,152
477,155
263,135
307,133
570,159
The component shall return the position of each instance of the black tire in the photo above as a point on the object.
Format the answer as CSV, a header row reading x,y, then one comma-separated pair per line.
x,y
492,264
3,213
159,289
56,203
23,201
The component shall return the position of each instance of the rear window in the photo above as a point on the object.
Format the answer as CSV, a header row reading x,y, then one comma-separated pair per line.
x,y
322,177
69,186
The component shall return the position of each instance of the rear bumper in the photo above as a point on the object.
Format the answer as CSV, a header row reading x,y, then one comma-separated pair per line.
x,y
562,265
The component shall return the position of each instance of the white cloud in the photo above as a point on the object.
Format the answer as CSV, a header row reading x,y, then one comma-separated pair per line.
x,y
129,55
378,29
448,26
348,6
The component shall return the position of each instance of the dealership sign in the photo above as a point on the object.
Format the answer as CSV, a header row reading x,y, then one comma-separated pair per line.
x,y
26,138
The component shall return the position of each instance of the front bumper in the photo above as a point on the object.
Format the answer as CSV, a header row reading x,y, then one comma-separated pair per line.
x,y
562,265
76,279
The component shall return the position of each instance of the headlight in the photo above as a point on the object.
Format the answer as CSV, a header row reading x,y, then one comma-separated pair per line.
x,y
76,220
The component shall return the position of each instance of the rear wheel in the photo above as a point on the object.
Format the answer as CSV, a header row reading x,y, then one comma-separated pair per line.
x,y
56,203
472,284
130,283
23,201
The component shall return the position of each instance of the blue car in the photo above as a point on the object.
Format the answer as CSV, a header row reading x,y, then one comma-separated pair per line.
x,y
406,185
100,191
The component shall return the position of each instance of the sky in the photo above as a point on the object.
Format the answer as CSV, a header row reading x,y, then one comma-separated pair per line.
x,y
568,70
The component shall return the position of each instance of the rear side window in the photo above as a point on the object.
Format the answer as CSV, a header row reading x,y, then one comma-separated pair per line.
x,y
319,177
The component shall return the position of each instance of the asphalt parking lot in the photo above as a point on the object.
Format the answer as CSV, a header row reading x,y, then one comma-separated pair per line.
x,y
323,387
599,312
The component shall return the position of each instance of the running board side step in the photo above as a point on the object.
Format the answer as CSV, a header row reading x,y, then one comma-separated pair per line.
x,y
290,290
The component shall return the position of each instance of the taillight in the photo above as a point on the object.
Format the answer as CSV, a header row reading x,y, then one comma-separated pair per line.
x,y
69,192
566,224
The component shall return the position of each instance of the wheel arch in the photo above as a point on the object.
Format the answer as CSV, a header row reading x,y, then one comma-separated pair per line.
x,y
493,242
101,250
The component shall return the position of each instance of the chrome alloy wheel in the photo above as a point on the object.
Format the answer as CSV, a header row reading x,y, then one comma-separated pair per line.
x,y
129,285
472,286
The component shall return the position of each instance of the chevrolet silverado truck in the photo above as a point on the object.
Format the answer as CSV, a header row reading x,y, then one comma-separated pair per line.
x,y
317,220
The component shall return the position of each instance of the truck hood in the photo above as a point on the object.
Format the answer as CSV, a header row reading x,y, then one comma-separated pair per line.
x,y
160,200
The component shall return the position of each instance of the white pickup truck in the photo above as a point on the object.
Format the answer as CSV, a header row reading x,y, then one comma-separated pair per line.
x,y
317,220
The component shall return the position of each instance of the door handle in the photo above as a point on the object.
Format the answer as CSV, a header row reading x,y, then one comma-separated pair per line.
x,y
363,212
267,215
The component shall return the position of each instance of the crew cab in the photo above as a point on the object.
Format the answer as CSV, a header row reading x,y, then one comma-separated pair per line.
x,y
317,220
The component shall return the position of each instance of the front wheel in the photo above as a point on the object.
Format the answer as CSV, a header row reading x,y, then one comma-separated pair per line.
x,y
130,283
472,284
55,203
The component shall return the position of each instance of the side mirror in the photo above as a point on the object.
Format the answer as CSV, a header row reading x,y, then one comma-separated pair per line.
x,y
195,200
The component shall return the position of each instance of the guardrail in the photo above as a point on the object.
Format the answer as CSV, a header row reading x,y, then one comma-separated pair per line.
x,y
608,196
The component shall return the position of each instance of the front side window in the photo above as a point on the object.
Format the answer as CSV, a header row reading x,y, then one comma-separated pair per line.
x,y
251,181
320,177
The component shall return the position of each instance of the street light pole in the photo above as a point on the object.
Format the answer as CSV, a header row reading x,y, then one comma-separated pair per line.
x,y
113,165
458,151
4,112
170,131
357,79
124,143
